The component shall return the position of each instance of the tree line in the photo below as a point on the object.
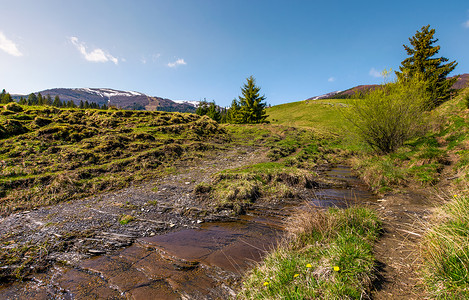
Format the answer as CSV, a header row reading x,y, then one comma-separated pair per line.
x,y
33,100
249,108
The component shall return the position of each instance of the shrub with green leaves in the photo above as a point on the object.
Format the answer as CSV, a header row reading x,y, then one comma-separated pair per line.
x,y
389,115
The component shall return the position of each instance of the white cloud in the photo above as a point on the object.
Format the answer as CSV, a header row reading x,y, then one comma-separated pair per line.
x,y
177,63
375,73
96,55
9,46
466,24
331,79
155,57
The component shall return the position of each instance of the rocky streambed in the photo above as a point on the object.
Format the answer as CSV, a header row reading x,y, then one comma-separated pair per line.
x,y
154,241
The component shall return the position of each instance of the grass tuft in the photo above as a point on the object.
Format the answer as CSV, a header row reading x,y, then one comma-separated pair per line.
x,y
445,250
326,255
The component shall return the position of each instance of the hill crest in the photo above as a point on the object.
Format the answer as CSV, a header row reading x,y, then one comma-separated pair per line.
x,y
121,99
462,82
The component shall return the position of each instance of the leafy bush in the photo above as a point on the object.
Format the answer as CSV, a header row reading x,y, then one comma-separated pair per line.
x,y
389,115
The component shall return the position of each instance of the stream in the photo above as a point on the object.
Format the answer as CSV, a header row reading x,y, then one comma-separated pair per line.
x,y
193,263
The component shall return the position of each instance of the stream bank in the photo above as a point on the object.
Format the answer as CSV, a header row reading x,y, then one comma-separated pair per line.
x,y
169,251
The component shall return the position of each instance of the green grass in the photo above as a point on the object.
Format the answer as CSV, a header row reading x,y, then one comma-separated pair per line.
x,y
125,219
446,251
328,255
323,115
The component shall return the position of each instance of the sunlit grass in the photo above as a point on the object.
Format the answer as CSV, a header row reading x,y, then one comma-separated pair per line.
x,y
445,250
327,255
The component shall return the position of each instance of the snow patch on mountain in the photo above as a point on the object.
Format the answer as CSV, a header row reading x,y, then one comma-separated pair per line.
x,y
193,103
325,95
108,93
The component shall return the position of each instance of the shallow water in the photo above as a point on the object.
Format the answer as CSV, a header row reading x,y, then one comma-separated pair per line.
x,y
202,263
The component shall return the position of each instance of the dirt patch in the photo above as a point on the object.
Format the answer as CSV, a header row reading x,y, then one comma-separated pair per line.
x,y
405,216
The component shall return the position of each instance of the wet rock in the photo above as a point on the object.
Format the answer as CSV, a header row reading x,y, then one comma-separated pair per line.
x,y
96,251
185,265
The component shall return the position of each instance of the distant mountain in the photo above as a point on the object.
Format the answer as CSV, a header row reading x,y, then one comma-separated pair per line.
x,y
121,99
325,96
462,82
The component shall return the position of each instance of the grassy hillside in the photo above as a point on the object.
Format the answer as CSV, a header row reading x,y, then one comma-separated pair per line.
x,y
325,117
322,115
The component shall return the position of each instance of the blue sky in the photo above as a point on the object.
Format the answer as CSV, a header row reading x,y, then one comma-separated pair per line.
x,y
196,49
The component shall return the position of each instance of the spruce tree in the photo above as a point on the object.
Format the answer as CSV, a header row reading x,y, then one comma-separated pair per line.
x,y
202,108
422,64
57,102
213,112
48,100
232,115
252,107
32,99
40,100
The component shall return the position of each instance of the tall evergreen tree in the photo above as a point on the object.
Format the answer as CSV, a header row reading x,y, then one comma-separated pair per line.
x,y
214,111
5,97
202,108
233,115
40,99
2,95
32,99
57,102
252,107
48,100
422,64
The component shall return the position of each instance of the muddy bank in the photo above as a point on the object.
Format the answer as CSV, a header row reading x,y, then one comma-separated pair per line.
x,y
170,247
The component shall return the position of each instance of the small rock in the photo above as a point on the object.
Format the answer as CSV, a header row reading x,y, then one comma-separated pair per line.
x,y
187,182
171,225
199,221
96,252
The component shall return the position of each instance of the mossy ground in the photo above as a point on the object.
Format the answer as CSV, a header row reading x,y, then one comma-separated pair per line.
x,y
50,155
